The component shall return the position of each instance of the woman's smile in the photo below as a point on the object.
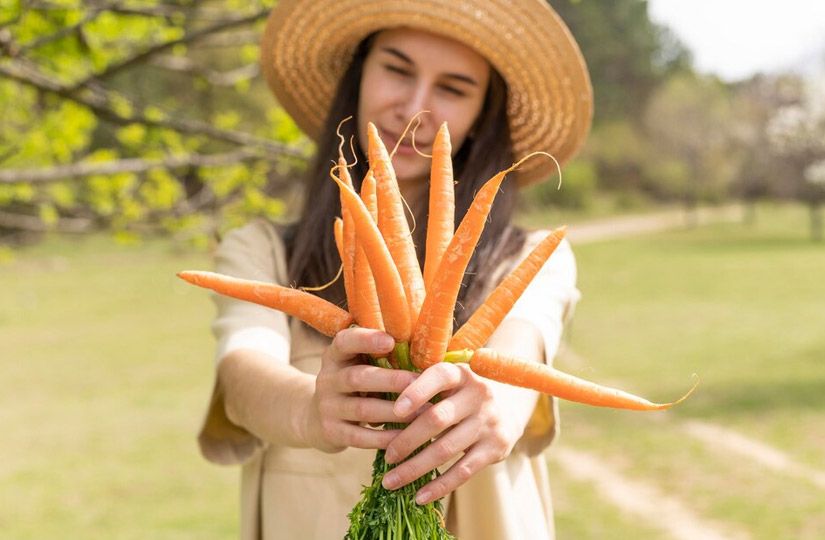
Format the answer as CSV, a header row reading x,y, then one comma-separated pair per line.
x,y
410,71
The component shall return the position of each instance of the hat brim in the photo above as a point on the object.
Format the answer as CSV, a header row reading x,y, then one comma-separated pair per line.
x,y
307,46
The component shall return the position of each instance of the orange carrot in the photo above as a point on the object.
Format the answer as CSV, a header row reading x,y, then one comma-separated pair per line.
x,y
324,316
548,380
394,308
338,234
441,221
434,326
366,297
347,239
392,222
481,325
369,196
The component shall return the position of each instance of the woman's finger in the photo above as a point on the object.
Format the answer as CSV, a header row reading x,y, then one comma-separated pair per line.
x,y
364,378
429,424
462,470
368,410
353,341
431,382
363,437
443,450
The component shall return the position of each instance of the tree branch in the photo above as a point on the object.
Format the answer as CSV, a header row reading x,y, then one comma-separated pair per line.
x,y
35,224
187,38
47,175
217,78
63,32
100,104
200,13
234,39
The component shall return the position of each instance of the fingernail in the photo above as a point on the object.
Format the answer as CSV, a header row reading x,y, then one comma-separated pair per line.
x,y
422,497
390,480
390,455
385,342
403,406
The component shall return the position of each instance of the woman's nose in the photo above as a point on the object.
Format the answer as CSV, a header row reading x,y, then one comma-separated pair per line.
x,y
417,100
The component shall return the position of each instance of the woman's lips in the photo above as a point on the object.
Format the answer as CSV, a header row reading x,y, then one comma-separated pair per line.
x,y
405,148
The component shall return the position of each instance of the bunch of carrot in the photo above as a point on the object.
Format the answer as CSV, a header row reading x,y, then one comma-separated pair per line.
x,y
386,289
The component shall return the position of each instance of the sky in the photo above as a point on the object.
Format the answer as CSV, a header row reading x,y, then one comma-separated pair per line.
x,y
735,39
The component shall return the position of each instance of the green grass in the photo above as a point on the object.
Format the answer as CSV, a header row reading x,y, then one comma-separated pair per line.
x,y
107,365
105,375
600,206
742,307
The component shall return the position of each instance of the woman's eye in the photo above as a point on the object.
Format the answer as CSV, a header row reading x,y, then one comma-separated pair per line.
x,y
397,70
454,91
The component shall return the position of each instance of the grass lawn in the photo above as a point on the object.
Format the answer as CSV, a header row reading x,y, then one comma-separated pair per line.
x,y
744,307
105,374
107,367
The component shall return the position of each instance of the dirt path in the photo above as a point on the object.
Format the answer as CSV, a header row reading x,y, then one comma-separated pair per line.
x,y
641,500
727,440
635,497
605,229
668,513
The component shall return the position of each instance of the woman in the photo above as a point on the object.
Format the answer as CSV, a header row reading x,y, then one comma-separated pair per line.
x,y
289,403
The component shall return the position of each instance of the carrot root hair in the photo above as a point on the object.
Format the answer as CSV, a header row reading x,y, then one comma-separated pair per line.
x,y
417,121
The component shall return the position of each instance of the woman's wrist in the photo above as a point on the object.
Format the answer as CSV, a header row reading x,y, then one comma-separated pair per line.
x,y
269,399
519,404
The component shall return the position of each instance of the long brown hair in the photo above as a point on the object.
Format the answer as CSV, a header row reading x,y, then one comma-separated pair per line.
x,y
312,256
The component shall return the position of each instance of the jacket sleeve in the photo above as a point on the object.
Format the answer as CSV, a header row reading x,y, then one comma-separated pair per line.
x,y
254,251
548,304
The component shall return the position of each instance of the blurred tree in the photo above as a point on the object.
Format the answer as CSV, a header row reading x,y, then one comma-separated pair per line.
x,y
762,170
138,115
797,132
577,190
628,55
687,118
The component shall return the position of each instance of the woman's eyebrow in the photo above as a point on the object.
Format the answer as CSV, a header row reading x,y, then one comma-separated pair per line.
x,y
406,59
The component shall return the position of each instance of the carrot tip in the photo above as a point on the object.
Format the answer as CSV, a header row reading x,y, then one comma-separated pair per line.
x,y
191,276
664,406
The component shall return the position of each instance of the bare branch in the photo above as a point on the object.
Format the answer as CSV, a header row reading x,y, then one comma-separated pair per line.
x,y
35,224
47,175
199,13
216,78
231,39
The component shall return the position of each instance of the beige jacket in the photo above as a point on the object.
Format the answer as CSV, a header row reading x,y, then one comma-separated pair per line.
x,y
291,493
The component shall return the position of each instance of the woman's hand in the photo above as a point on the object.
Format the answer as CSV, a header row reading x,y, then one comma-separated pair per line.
x,y
474,418
338,409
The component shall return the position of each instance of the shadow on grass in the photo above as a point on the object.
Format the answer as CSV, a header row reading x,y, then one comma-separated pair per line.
x,y
748,398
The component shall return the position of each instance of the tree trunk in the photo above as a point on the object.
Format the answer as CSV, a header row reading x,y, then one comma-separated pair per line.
x,y
816,220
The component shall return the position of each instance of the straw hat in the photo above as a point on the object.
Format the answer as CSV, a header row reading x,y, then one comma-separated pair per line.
x,y
308,44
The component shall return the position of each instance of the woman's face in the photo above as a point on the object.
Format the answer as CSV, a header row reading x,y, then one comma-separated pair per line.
x,y
408,71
